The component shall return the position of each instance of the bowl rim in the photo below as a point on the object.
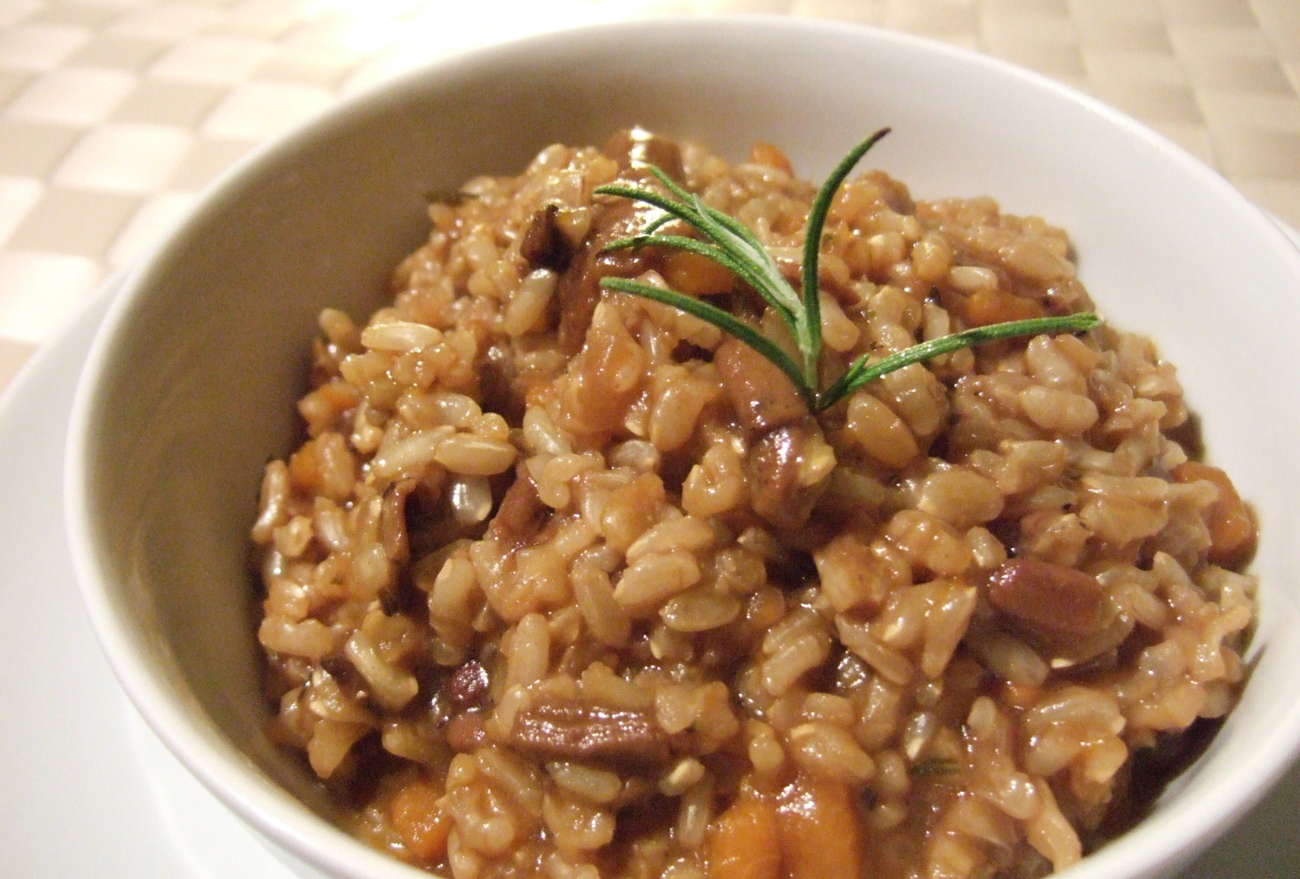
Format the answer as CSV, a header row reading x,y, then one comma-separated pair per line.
x,y
1144,850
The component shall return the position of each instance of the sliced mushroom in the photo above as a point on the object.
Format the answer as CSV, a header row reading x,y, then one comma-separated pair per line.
x,y
1050,600
544,244
573,730
521,513
636,149
468,684
1064,613
763,396
779,467
578,290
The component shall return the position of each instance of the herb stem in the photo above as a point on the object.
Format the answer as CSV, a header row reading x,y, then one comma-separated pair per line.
x,y
812,244
723,320
732,245
863,372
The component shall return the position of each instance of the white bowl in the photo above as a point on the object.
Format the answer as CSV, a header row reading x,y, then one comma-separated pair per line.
x,y
191,382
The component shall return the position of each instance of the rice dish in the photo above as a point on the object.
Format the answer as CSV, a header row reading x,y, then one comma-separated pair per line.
x,y
564,582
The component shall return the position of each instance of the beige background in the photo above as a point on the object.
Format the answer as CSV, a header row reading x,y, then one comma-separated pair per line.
x,y
115,114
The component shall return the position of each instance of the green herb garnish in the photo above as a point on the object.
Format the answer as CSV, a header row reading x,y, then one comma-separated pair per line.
x,y
730,244
935,766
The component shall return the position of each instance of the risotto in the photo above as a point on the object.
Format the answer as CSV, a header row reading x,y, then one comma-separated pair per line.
x,y
565,582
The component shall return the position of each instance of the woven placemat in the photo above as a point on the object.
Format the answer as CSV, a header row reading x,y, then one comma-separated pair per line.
x,y
114,114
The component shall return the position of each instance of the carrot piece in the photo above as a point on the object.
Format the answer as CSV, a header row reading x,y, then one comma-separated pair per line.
x,y
324,465
818,830
1232,530
696,275
423,826
743,842
984,307
763,153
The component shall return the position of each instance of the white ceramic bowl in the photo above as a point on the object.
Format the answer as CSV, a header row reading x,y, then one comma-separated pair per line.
x,y
190,385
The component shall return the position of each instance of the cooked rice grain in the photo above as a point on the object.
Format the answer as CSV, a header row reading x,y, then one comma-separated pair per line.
x,y
544,596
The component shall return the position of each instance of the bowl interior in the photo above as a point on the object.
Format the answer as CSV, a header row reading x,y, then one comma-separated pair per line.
x,y
190,386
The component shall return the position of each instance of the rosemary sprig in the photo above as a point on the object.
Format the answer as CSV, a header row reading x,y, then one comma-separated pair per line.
x,y
728,242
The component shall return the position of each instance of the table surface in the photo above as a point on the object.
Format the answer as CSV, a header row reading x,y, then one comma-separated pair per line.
x,y
116,114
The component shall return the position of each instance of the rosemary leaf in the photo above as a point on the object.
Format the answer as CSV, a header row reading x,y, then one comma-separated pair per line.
x,y
812,245
680,210
730,235
863,372
733,237
732,245
724,320
722,257
935,766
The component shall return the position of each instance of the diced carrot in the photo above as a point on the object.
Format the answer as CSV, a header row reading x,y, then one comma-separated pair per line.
x,y
322,407
305,468
743,842
324,465
991,306
763,153
696,275
819,830
1232,530
423,826
340,394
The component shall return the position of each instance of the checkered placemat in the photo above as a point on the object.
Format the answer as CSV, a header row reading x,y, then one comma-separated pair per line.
x,y
114,114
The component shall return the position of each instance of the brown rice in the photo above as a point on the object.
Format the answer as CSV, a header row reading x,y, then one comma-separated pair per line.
x,y
542,597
